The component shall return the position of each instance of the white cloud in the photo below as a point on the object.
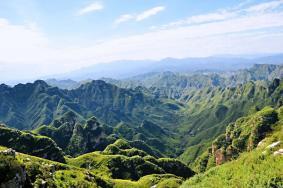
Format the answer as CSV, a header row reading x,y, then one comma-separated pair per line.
x,y
148,13
211,17
124,18
225,14
265,6
139,17
96,6
242,4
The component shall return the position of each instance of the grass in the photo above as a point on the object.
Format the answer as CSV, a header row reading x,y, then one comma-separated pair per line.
x,y
161,181
250,170
258,168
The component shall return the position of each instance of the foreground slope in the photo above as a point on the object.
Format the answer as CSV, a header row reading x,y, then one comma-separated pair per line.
x,y
255,154
130,167
122,161
250,170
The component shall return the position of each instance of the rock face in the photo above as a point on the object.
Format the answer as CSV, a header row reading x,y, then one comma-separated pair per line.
x,y
18,181
9,152
12,175
243,135
279,152
220,158
274,144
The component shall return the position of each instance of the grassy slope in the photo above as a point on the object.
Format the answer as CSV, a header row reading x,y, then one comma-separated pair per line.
x,y
250,170
67,175
99,169
120,160
29,143
258,168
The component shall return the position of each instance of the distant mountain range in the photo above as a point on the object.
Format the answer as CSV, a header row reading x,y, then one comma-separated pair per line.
x,y
174,85
126,69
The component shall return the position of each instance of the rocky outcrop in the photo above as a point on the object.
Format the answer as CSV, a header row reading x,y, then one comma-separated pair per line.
x,y
8,152
243,135
279,152
76,137
12,174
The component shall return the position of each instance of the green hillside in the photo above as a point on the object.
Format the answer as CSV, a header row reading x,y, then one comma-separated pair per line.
x,y
211,110
171,128
28,106
133,168
126,164
29,143
77,136
256,162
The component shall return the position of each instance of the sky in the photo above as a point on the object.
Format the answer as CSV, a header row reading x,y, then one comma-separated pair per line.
x,y
40,37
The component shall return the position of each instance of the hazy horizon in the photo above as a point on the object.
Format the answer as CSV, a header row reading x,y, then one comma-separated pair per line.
x,y
110,68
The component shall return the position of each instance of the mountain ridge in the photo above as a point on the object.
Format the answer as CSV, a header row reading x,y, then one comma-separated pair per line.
x,y
130,68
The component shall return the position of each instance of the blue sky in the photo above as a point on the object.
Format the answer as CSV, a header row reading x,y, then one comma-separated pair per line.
x,y
59,36
60,20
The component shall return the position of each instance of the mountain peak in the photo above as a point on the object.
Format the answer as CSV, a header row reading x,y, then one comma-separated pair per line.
x,y
4,87
41,83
